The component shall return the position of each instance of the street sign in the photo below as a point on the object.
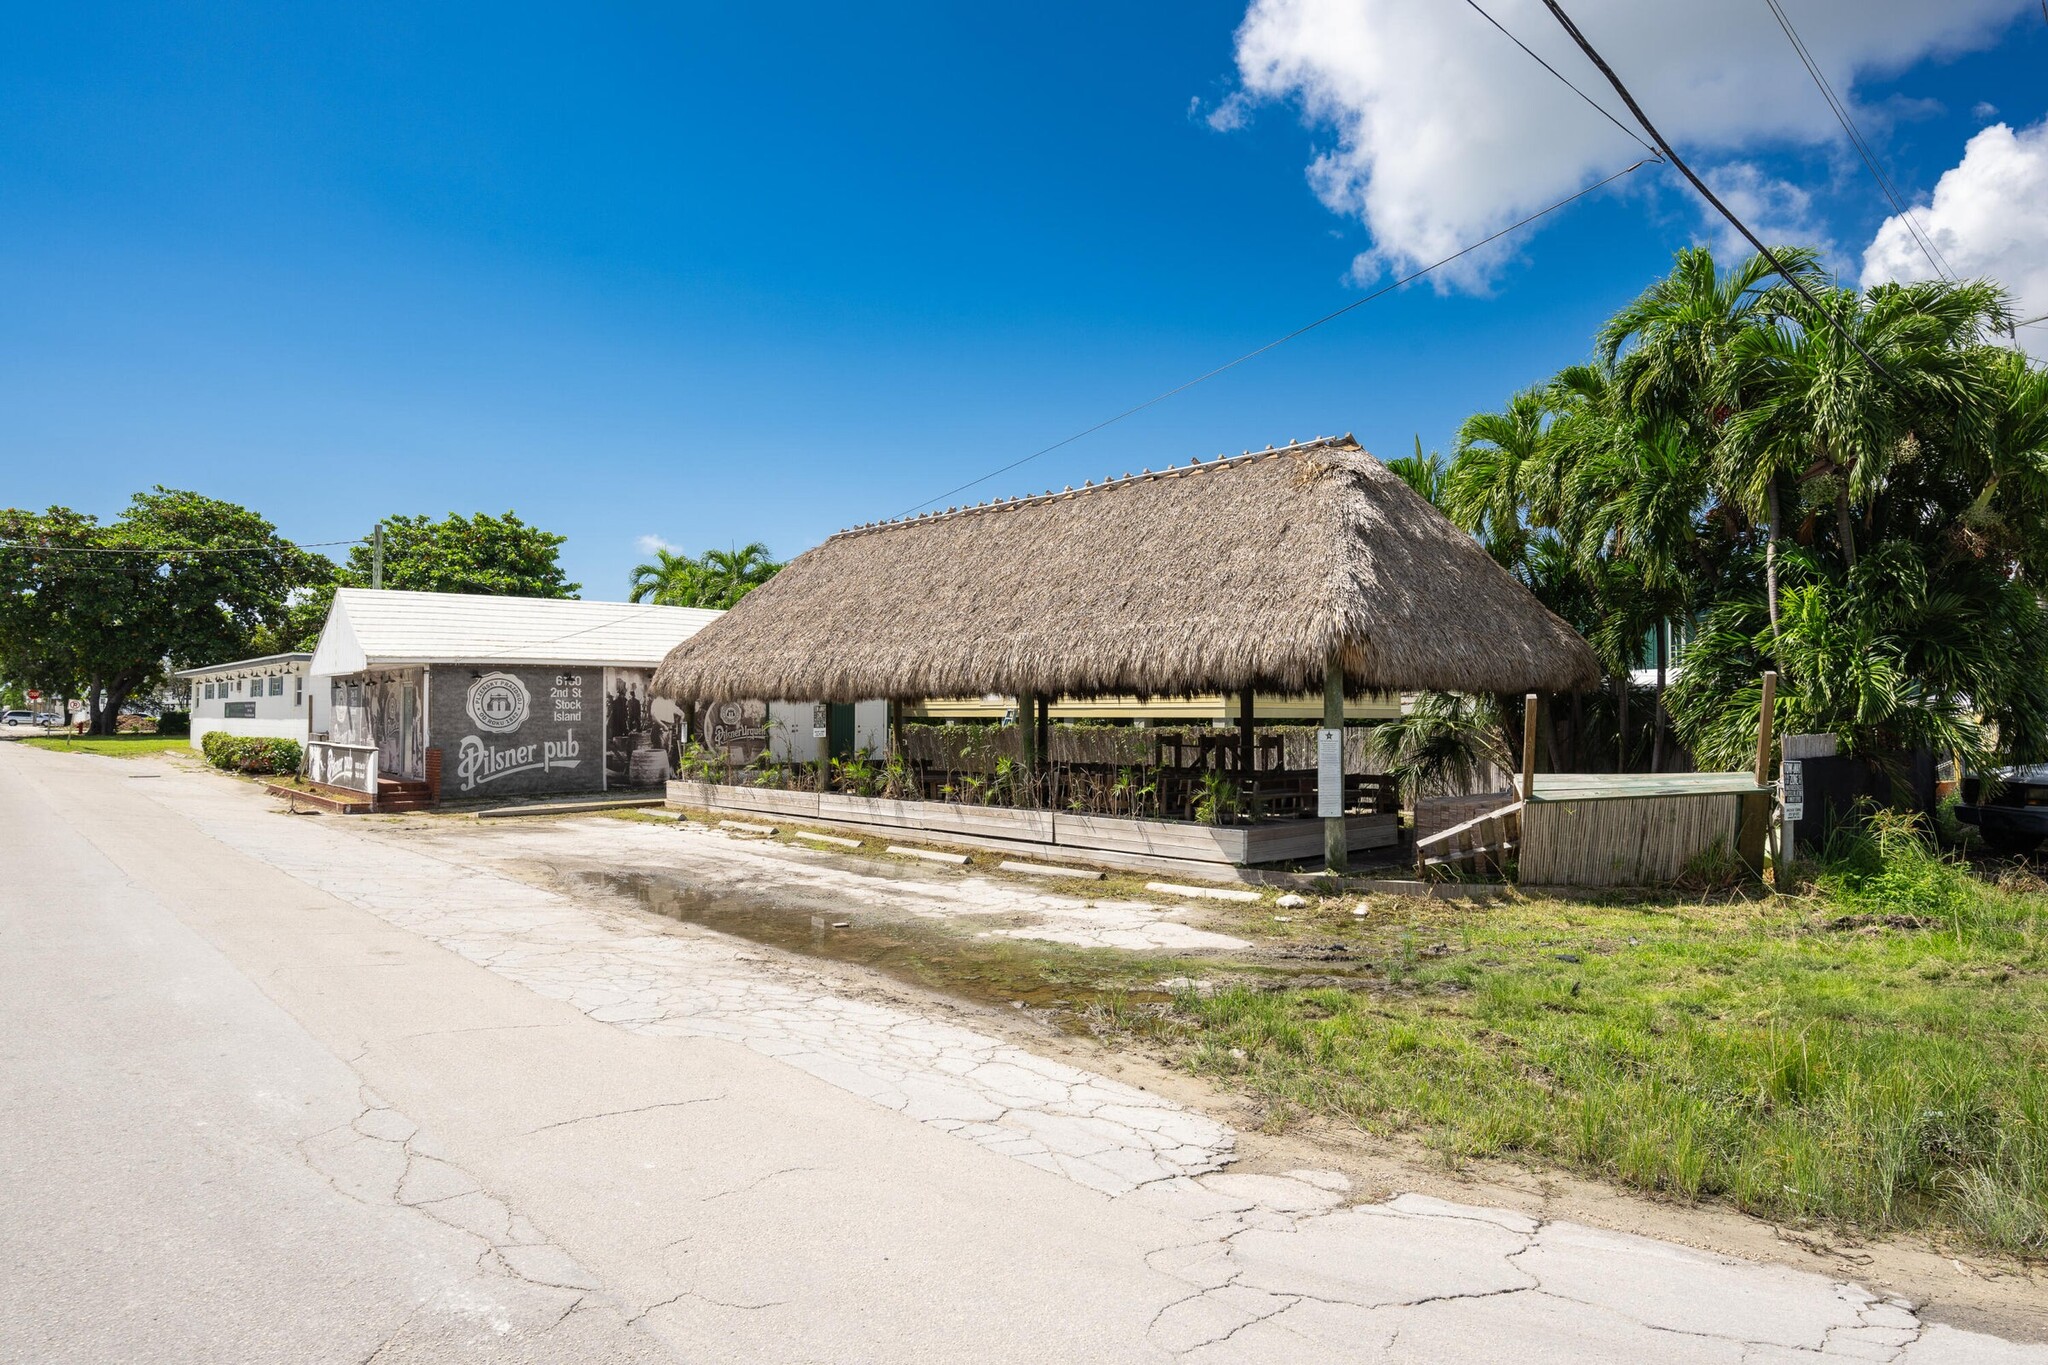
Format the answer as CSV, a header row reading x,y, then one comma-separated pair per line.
x,y
34,695
1792,789
1329,773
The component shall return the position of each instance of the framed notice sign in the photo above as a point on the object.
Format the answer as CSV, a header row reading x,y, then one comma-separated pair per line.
x,y
1792,789
1329,773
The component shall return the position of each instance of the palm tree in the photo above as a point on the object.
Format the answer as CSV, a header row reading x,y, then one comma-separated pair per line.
x,y
732,574
1815,404
1423,473
1639,497
1676,336
1443,739
1503,482
671,580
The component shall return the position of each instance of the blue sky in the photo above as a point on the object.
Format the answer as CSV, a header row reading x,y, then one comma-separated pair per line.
x,y
715,274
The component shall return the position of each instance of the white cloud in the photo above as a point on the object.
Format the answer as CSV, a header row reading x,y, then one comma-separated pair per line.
x,y
1443,131
1983,109
650,544
1776,210
1988,219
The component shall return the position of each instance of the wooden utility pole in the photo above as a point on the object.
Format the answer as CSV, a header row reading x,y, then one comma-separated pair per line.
x,y
377,556
1330,767
1532,709
1766,715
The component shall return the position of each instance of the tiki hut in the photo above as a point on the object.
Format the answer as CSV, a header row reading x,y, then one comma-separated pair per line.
x,y
1270,570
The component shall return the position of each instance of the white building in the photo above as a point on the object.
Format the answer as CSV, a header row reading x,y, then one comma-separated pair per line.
x,y
270,696
455,696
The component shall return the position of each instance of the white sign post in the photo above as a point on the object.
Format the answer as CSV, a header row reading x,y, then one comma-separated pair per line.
x,y
1329,773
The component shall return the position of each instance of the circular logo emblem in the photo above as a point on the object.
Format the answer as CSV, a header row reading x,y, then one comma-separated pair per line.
x,y
497,703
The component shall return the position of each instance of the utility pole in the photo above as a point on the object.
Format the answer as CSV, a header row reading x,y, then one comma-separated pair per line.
x,y
377,556
1330,766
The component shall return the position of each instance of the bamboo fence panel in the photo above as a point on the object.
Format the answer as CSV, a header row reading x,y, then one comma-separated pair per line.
x,y
1639,841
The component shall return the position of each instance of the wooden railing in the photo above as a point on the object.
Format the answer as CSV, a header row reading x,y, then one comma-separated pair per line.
x,y
1481,846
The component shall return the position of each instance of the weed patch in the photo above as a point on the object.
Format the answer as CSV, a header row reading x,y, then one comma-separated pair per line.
x,y
1894,1077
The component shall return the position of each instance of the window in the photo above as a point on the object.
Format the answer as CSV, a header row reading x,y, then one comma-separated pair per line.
x,y
299,690
210,693
277,684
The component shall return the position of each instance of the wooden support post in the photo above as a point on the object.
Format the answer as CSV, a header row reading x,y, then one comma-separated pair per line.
x,y
1027,728
1336,843
896,731
1043,720
1247,753
1532,708
1766,714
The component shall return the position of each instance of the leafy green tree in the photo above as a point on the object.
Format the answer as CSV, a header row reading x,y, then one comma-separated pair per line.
x,y
717,579
102,610
492,556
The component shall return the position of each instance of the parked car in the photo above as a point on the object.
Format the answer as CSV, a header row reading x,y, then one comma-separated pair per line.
x,y
48,718
2013,814
14,718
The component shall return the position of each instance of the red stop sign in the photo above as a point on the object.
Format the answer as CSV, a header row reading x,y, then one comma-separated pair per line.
x,y
34,695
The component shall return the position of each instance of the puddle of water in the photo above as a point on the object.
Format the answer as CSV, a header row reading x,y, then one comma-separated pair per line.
x,y
985,971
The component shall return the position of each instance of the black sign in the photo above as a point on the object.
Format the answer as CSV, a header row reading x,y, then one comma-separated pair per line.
x,y
240,710
517,731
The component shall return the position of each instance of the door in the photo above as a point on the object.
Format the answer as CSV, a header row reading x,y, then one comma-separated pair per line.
x,y
839,730
412,757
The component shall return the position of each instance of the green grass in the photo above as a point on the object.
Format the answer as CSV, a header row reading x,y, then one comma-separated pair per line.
x,y
112,746
1802,1058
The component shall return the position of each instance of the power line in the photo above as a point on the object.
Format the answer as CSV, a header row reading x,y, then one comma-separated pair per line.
x,y
1636,137
1877,172
1282,340
1671,155
168,549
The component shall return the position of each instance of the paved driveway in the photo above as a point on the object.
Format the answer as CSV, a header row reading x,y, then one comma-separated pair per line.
x,y
295,1089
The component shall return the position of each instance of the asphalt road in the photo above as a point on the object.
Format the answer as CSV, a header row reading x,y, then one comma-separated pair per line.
x,y
289,1089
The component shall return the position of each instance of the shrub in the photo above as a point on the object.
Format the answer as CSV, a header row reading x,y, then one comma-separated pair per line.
x,y
250,753
174,723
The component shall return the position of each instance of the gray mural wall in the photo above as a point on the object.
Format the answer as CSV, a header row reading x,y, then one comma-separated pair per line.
x,y
517,731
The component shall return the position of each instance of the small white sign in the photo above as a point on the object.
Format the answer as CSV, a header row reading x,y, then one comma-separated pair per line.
x,y
1329,773
817,732
1792,789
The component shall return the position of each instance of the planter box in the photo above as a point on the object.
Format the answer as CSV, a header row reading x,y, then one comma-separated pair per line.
x,y
1233,845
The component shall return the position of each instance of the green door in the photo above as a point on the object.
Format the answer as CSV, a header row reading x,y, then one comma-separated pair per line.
x,y
839,730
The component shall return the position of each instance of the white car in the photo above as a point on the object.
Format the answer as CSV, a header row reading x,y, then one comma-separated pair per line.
x,y
14,718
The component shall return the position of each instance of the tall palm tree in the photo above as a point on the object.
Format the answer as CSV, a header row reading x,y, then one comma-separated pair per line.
x,y
1669,350
1640,497
671,580
1502,484
1815,405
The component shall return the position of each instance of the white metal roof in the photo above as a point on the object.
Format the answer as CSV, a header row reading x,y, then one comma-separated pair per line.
x,y
368,628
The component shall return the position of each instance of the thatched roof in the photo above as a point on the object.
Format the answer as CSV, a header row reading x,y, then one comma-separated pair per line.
x,y
1209,577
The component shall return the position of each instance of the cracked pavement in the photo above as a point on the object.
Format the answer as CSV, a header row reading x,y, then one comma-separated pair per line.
x,y
670,1142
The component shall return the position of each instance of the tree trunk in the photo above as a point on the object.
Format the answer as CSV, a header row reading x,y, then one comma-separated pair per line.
x,y
1775,528
105,701
1621,719
1657,706
1848,527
